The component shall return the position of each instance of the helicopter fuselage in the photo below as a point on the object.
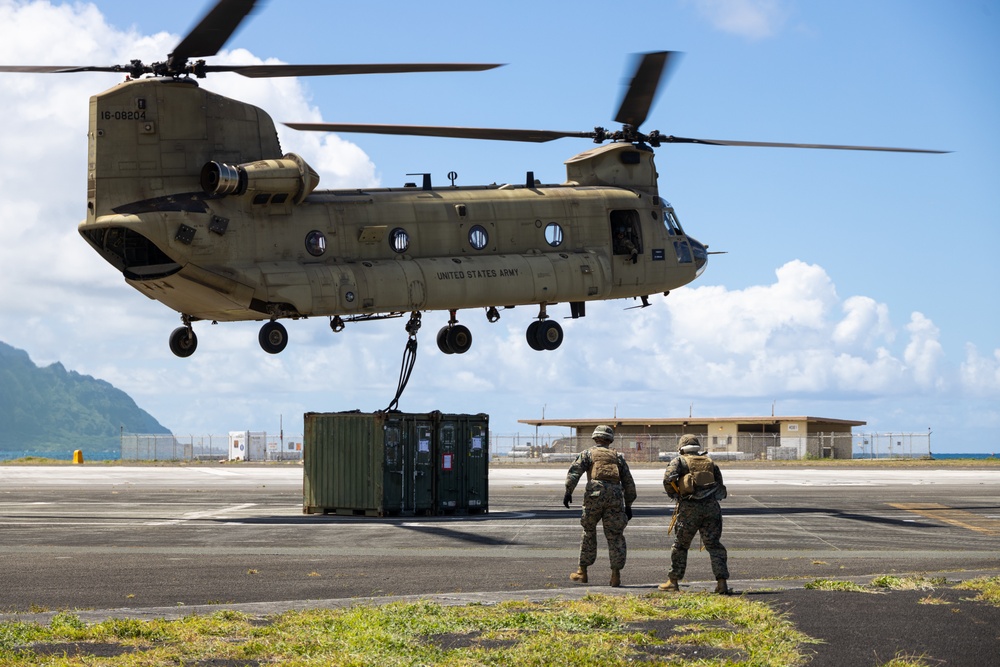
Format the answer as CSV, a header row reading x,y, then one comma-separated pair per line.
x,y
192,199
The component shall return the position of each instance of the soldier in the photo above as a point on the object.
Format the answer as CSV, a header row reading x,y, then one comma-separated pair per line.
x,y
695,482
608,498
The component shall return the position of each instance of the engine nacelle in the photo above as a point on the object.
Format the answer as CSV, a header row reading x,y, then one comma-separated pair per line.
x,y
265,181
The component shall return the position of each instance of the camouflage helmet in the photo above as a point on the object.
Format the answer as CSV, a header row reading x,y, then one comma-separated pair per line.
x,y
689,444
604,433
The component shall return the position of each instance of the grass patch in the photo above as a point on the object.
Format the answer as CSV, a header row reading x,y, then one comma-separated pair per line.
x,y
834,585
893,583
988,588
880,584
907,660
598,629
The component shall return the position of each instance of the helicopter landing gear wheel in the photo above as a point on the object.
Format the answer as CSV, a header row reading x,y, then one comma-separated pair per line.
x,y
273,337
454,339
442,341
532,336
550,335
183,342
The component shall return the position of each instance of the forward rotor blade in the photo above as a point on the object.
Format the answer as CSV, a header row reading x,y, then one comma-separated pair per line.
x,y
211,33
770,144
641,93
495,134
56,69
261,71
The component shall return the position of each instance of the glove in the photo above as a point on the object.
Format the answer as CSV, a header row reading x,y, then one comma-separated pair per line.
x,y
567,499
628,512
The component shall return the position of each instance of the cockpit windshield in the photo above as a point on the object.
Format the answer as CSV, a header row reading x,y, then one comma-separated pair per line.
x,y
673,225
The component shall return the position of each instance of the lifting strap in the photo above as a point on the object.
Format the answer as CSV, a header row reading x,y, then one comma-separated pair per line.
x,y
409,359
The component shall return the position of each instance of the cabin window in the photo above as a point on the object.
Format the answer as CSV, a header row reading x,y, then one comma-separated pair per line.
x,y
626,238
399,239
554,234
315,243
478,237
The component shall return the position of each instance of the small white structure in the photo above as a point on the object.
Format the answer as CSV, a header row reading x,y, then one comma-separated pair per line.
x,y
247,445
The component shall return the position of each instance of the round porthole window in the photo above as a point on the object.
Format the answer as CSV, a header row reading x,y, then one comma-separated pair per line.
x,y
315,243
399,240
478,237
553,234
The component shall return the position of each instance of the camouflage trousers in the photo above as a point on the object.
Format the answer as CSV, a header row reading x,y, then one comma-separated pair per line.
x,y
703,517
603,502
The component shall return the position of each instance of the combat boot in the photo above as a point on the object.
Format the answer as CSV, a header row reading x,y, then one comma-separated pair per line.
x,y
671,586
722,588
580,576
616,578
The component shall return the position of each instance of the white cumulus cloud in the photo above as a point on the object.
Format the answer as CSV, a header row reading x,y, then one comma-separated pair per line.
x,y
754,19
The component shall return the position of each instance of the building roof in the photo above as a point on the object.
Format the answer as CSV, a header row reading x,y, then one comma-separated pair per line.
x,y
683,421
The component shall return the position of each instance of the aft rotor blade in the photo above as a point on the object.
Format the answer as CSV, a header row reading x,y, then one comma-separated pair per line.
x,y
211,33
771,144
261,71
641,93
495,134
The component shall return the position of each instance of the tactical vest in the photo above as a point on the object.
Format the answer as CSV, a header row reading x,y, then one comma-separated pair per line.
x,y
605,465
700,474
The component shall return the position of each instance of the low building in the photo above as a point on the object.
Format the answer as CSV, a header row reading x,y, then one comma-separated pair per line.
x,y
726,437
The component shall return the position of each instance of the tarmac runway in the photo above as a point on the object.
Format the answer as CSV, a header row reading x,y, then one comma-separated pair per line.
x,y
102,537
107,537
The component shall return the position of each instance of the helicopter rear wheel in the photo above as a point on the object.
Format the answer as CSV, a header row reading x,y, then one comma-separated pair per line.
x,y
183,342
550,335
532,336
273,337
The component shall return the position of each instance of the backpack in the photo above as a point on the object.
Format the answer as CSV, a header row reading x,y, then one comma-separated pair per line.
x,y
699,475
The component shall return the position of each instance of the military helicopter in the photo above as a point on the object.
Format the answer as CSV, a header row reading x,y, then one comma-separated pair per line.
x,y
191,198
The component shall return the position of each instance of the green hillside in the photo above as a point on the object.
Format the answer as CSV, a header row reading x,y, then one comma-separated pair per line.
x,y
52,409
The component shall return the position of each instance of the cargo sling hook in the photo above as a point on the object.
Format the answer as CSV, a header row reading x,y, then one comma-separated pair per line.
x,y
409,359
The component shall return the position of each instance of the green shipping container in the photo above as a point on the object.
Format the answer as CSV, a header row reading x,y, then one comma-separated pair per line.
x,y
462,472
393,463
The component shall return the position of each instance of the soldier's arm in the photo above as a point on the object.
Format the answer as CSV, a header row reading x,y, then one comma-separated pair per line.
x,y
576,471
628,484
671,475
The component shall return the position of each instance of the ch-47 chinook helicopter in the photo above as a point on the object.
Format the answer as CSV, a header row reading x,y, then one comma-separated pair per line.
x,y
190,196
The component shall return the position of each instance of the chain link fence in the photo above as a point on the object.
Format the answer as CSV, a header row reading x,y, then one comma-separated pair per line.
x,y
525,448
521,448
159,447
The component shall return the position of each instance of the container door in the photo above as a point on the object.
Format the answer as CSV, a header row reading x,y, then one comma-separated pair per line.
x,y
421,431
477,458
450,478
395,457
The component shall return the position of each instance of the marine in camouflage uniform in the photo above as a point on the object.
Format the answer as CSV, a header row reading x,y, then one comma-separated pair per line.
x,y
697,512
608,499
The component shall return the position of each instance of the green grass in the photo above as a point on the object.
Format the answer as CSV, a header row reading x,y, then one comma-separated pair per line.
x,y
653,629
988,587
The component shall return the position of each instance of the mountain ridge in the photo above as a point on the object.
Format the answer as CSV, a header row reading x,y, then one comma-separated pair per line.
x,y
54,409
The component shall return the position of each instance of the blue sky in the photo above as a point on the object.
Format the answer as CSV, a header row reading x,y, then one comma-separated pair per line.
x,y
856,285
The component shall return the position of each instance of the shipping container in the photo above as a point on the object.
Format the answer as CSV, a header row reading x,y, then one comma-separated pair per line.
x,y
394,463
247,446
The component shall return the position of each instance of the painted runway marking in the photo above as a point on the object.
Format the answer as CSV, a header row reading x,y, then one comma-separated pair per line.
x,y
945,514
207,514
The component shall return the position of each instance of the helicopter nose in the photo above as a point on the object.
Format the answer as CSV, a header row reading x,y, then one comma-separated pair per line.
x,y
700,252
